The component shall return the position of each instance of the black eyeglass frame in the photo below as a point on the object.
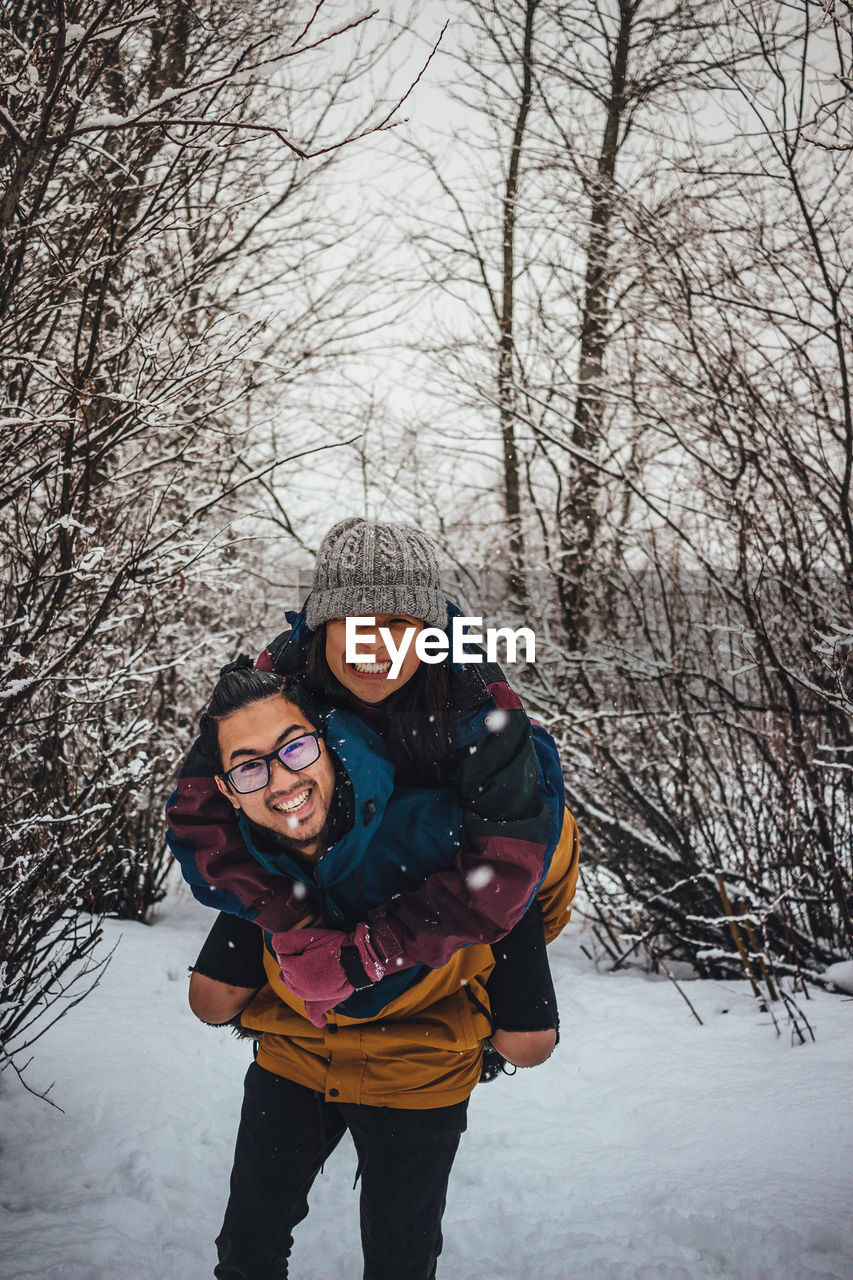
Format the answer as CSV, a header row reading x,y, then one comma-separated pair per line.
x,y
268,759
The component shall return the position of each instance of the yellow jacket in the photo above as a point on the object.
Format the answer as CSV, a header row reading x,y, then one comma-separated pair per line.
x,y
424,1048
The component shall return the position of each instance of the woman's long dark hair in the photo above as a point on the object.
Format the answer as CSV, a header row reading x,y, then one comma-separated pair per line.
x,y
412,721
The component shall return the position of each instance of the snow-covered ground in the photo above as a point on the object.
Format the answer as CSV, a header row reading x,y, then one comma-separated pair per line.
x,y
648,1148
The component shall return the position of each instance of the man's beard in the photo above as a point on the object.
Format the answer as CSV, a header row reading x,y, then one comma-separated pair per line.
x,y
339,820
294,843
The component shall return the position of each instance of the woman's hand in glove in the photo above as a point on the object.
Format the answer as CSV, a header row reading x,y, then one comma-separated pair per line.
x,y
324,966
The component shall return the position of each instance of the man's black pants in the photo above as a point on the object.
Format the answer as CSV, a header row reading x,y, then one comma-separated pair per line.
x,y
287,1131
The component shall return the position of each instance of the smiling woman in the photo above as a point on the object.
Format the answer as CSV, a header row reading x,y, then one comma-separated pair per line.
x,y
373,681
391,573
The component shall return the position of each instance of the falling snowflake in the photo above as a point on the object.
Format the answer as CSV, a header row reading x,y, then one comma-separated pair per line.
x,y
479,877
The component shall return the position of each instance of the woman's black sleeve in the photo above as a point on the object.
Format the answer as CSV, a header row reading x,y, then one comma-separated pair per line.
x,y
233,953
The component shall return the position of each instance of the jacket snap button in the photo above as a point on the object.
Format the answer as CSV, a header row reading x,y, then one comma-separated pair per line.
x,y
333,1093
332,1030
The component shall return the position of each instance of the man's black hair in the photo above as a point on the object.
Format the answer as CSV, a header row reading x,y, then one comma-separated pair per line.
x,y
239,685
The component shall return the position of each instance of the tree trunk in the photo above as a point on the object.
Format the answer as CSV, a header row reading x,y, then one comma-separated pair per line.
x,y
579,517
506,352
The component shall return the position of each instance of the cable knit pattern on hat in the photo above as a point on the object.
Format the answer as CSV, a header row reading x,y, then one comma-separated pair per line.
x,y
365,567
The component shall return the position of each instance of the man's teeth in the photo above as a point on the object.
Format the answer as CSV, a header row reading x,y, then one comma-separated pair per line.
x,y
373,668
287,806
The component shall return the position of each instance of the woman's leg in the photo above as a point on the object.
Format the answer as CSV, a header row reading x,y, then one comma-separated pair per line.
x,y
228,971
521,994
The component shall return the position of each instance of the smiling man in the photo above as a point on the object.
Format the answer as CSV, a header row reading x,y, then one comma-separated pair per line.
x,y
286,790
390,1056
297,800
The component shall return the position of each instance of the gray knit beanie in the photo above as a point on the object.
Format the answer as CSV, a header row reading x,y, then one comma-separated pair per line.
x,y
364,568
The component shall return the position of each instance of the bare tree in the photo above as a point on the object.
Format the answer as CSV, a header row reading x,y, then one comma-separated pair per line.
x,y
536,240
155,192
711,756
680,399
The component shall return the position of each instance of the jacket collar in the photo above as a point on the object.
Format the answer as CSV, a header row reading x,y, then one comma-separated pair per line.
x,y
362,754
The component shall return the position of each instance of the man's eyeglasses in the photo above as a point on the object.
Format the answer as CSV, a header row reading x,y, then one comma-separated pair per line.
x,y
253,775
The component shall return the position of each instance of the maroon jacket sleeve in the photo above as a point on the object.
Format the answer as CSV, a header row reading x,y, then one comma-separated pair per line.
x,y
204,837
501,862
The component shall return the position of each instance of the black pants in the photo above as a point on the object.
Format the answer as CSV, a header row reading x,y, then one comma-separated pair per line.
x,y
287,1131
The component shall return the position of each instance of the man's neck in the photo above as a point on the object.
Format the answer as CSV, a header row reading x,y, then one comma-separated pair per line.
x,y
306,852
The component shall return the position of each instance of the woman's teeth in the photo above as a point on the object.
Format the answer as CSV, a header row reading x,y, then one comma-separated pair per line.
x,y
372,668
289,806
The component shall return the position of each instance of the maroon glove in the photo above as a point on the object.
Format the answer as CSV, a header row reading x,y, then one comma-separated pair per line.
x,y
314,968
